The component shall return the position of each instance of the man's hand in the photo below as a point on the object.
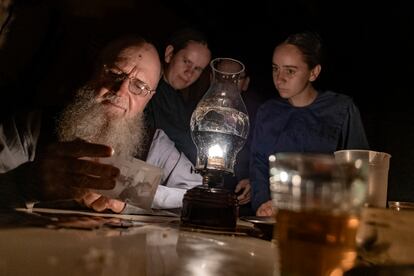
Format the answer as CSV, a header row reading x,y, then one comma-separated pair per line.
x,y
59,172
265,210
100,203
244,187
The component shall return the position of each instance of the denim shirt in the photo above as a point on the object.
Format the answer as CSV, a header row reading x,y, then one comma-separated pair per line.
x,y
331,122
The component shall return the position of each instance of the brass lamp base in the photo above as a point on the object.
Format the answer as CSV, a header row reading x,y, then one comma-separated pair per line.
x,y
206,207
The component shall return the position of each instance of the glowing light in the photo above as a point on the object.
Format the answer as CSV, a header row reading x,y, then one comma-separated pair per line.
x,y
215,156
296,180
284,176
358,163
336,272
215,151
273,171
353,222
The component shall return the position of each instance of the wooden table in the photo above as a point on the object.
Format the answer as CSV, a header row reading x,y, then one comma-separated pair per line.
x,y
394,236
159,246
154,246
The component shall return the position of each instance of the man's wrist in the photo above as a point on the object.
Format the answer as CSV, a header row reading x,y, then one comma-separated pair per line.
x,y
10,193
26,184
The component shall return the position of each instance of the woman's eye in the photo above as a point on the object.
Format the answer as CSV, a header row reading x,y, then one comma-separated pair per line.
x,y
199,70
291,72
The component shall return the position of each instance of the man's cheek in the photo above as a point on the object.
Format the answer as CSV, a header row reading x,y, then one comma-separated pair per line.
x,y
99,94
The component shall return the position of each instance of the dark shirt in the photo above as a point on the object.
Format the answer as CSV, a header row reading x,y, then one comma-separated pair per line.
x,y
167,111
332,122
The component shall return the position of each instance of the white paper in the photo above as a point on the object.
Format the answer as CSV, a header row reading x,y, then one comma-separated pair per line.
x,y
137,182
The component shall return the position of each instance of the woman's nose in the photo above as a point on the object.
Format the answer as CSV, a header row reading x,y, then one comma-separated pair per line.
x,y
279,77
189,72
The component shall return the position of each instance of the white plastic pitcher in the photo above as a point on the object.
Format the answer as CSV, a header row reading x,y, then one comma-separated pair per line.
x,y
378,167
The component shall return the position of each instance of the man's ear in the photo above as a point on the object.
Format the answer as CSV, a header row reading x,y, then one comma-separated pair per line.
x,y
168,53
315,72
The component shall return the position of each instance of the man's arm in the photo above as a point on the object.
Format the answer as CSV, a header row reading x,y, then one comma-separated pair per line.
x,y
56,172
178,173
18,140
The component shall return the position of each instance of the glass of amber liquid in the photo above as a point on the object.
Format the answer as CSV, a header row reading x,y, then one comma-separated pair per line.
x,y
317,203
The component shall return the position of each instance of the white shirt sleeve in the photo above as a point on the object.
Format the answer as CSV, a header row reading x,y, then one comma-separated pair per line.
x,y
178,176
18,140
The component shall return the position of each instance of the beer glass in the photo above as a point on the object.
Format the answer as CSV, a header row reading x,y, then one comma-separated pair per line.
x,y
317,202
378,164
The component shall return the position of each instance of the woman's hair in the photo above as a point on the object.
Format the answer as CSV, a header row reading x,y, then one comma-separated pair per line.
x,y
180,39
310,44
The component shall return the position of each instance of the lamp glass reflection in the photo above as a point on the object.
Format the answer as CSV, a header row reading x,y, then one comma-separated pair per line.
x,y
220,124
219,129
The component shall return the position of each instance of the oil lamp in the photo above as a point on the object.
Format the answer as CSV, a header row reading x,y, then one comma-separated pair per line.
x,y
219,128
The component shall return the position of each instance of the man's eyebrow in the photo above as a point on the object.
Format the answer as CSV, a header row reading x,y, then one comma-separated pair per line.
x,y
120,60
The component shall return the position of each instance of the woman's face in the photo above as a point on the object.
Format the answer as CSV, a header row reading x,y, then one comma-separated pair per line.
x,y
291,75
186,66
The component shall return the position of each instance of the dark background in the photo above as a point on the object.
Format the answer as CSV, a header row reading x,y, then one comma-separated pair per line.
x,y
47,48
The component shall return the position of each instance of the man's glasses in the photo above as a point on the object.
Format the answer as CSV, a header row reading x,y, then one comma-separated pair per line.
x,y
114,76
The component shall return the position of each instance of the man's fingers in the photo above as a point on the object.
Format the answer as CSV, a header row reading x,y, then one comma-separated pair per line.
x,y
85,182
100,204
63,168
65,177
116,205
78,166
90,198
103,203
80,148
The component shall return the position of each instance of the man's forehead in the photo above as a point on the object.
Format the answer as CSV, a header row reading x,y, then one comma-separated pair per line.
x,y
143,57
132,54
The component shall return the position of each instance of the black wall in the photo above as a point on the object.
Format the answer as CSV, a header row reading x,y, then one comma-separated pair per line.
x,y
47,48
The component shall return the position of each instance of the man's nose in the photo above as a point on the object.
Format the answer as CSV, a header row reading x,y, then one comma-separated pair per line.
x,y
120,87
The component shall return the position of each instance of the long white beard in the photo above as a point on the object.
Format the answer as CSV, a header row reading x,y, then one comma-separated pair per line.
x,y
86,119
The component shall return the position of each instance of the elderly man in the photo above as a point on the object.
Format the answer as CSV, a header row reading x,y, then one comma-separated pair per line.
x,y
104,120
